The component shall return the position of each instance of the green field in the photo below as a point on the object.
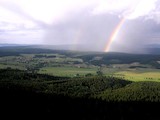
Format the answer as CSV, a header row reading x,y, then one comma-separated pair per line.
x,y
75,64
135,76
3,66
67,71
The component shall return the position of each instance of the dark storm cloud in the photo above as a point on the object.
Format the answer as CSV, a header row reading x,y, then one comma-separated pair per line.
x,y
95,31
137,34
83,29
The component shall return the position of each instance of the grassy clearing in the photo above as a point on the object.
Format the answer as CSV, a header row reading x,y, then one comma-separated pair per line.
x,y
2,66
67,71
135,76
109,71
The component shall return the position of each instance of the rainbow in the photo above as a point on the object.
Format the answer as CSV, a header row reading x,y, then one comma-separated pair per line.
x,y
114,35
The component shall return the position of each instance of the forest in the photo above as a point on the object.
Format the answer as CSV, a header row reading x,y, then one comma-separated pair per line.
x,y
95,97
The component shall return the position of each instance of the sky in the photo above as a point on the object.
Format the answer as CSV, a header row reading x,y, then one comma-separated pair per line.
x,y
100,25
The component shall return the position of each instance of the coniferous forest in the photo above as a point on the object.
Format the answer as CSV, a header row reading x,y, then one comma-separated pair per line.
x,y
96,97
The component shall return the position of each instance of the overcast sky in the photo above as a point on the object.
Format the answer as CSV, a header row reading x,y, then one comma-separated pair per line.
x,y
88,22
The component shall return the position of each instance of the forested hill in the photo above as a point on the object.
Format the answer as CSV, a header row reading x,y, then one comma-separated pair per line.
x,y
106,88
95,58
120,58
95,97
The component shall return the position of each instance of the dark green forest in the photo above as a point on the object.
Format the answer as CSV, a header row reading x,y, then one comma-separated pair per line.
x,y
96,97
122,58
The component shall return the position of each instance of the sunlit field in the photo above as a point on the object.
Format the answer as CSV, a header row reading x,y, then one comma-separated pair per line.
x,y
68,71
135,76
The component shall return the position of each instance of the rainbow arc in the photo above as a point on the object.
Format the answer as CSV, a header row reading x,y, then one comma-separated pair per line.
x,y
114,35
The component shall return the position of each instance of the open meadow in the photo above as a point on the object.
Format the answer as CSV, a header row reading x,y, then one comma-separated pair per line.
x,y
81,64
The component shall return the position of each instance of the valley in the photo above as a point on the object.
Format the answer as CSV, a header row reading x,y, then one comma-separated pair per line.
x,y
81,64
59,82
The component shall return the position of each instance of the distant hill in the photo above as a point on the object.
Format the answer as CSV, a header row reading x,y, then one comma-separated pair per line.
x,y
154,50
154,45
148,49
76,47
11,45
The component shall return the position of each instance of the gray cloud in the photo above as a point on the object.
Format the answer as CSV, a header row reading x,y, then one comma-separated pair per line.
x,y
137,34
95,31
89,29
19,33
16,9
83,29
